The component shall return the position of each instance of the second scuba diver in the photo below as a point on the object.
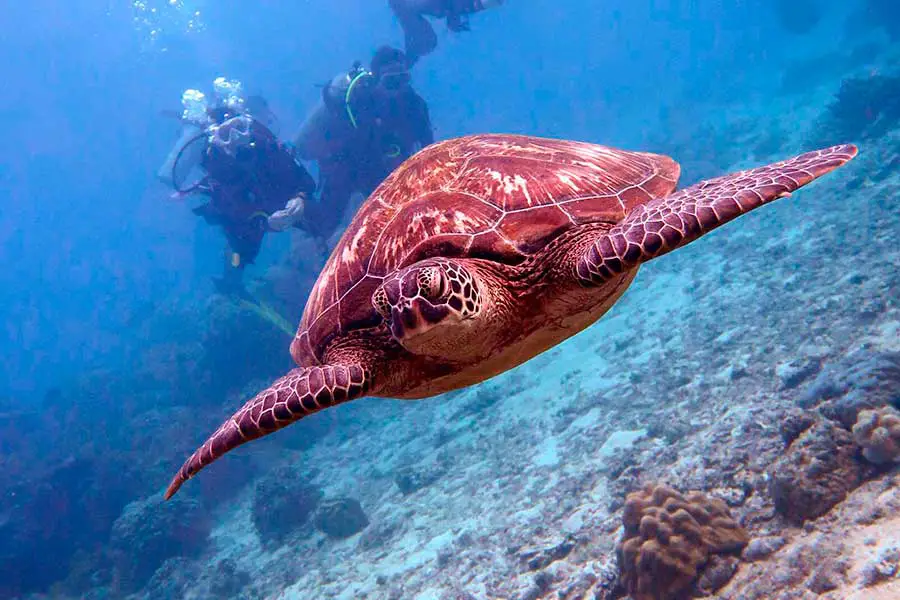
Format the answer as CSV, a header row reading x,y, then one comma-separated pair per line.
x,y
368,122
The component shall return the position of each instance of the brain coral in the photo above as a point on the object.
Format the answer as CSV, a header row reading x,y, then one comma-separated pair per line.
x,y
669,537
878,434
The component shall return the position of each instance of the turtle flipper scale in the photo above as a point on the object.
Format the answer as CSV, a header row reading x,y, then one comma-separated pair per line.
x,y
667,223
302,392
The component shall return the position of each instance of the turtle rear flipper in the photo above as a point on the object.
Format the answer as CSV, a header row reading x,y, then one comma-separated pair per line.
x,y
302,392
664,224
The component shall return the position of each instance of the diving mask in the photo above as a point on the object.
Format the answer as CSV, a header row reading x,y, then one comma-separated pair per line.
x,y
395,79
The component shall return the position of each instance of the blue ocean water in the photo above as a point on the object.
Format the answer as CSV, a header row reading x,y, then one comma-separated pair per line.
x,y
119,356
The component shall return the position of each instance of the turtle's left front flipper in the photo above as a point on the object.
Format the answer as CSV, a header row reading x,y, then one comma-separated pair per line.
x,y
300,393
664,224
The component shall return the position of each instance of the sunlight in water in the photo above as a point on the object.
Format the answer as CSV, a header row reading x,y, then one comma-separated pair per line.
x,y
156,21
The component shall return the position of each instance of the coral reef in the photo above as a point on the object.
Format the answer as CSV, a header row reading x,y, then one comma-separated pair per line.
x,y
52,512
282,503
865,107
739,368
173,578
340,517
816,472
230,324
878,434
669,537
148,533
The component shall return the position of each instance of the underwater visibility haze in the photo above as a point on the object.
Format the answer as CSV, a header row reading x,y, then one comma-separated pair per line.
x,y
223,217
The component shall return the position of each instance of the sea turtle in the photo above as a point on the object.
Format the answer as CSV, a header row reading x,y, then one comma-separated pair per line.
x,y
481,252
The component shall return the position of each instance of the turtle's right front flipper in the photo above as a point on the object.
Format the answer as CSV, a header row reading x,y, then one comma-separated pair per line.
x,y
667,223
300,393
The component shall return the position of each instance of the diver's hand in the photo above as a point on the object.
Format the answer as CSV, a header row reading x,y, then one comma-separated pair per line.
x,y
285,218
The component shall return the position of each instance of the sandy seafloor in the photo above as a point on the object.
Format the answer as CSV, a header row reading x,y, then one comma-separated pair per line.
x,y
684,382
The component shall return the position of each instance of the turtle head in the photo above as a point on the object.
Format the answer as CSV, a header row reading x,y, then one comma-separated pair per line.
x,y
430,306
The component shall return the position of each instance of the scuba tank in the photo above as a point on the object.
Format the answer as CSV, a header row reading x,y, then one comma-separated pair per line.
x,y
187,152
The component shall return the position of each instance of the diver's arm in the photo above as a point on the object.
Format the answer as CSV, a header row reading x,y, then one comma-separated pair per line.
x,y
458,15
287,217
419,36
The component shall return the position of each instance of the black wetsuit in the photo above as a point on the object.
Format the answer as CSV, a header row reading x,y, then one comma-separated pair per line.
x,y
357,155
418,32
247,187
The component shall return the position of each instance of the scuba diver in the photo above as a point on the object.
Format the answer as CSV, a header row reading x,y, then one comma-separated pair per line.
x,y
368,122
251,180
418,32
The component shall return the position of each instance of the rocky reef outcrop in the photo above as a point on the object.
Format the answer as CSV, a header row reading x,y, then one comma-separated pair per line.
x,y
149,532
283,502
816,472
341,517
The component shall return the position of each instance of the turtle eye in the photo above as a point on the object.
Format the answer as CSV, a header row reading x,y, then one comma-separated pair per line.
x,y
432,283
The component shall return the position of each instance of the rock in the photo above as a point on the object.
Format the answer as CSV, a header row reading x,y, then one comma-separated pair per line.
x,y
542,583
861,380
732,496
794,372
340,518
282,503
379,534
173,578
762,547
883,567
410,479
794,423
228,580
539,558
816,472
825,577
717,573
148,532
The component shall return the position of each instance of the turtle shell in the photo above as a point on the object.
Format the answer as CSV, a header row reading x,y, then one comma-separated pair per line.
x,y
495,197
